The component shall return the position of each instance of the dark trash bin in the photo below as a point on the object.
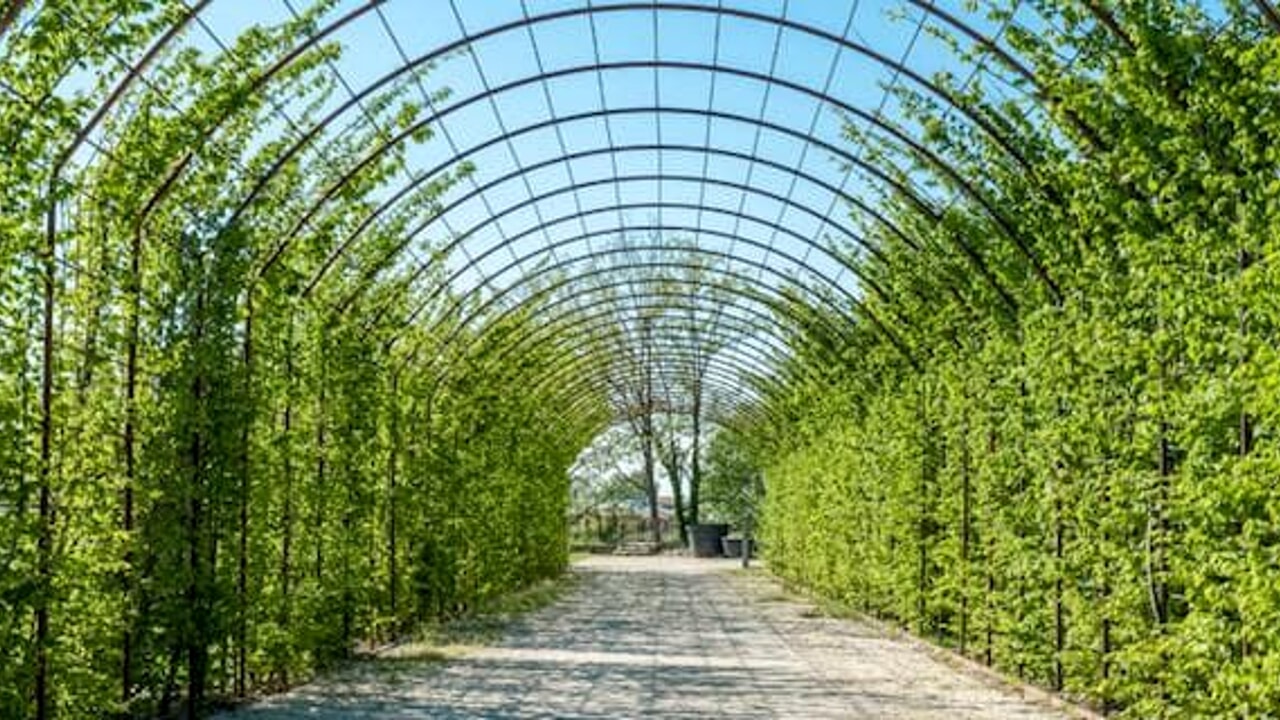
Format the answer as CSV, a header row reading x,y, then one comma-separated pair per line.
x,y
733,547
706,539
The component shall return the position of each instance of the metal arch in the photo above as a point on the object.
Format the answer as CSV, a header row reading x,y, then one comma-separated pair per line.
x,y
756,321
748,280
585,322
1088,132
663,228
770,323
842,153
886,127
726,406
754,282
797,263
179,167
767,19
597,418
638,228
135,73
530,21
722,400
426,176
574,320
890,226
764,354
838,40
100,113
766,357
669,264
728,380
586,375
587,347
585,388
618,149
605,182
916,201
766,324
283,62
676,360
37,106
421,306
587,333
726,409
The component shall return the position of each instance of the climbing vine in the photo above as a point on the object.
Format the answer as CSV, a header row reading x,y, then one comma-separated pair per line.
x,y
1076,489
224,476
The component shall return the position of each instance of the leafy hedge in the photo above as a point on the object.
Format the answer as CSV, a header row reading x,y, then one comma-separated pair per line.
x,y
219,475
1075,483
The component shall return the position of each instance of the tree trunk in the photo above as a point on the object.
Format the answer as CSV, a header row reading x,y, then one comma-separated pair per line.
x,y
650,482
44,543
695,459
677,492
242,570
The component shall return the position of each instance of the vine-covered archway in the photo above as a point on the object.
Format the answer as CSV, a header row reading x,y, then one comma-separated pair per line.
x,y
308,307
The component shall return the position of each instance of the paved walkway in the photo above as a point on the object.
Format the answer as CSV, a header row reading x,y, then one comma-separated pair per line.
x,y
640,637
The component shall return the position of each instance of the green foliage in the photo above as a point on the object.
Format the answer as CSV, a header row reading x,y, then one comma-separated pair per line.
x,y
1080,491
254,464
730,481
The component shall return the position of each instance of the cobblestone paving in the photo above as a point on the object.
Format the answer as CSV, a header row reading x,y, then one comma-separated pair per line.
x,y
666,637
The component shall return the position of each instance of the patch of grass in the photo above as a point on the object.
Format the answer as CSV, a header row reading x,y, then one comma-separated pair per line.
x,y
776,590
486,623
417,652
455,638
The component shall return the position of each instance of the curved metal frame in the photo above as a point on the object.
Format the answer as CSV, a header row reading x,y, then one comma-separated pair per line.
x,y
448,48
604,182
972,112
581,385
580,324
529,21
593,254
738,277
593,321
588,388
880,174
576,308
619,149
517,261
524,338
588,356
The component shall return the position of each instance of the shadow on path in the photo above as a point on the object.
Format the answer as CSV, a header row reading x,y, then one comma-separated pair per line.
x,y
662,637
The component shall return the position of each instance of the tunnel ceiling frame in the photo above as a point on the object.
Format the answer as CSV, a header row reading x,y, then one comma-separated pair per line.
x,y
439,52
834,330
590,331
890,179
593,255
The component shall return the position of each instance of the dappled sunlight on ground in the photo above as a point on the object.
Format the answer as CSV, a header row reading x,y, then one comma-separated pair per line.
x,y
662,637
